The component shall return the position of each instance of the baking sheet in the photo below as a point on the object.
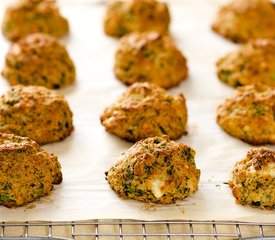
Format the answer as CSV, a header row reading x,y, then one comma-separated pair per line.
x,y
90,151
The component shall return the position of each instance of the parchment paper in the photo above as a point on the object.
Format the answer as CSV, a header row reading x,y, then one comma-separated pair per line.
x,y
90,150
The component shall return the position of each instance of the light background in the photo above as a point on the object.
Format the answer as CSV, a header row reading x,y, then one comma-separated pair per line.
x,y
90,151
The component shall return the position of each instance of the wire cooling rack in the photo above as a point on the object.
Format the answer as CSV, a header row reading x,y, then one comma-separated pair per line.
x,y
130,229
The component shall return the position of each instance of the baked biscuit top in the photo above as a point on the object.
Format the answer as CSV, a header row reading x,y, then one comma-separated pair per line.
x,y
155,170
146,110
51,65
243,20
31,16
253,179
36,112
150,57
125,16
249,115
253,63
27,172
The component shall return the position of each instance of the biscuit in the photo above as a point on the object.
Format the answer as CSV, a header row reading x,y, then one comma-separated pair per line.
x,y
253,179
253,63
125,16
32,16
27,172
249,115
243,20
35,112
39,59
155,170
149,57
146,110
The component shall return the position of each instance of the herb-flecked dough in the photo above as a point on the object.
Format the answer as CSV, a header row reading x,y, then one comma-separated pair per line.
x,y
35,112
32,16
41,60
249,114
253,179
252,63
27,172
146,110
150,57
155,170
126,16
244,20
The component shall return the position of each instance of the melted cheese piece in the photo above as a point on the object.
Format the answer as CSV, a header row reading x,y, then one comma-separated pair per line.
x,y
269,170
156,188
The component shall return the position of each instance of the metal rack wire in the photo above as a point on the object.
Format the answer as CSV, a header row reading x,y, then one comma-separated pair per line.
x,y
130,229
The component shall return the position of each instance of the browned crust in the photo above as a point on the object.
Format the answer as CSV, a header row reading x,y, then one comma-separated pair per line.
x,y
51,64
243,20
123,17
251,180
249,115
146,110
27,172
31,16
150,57
252,63
152,160
36,112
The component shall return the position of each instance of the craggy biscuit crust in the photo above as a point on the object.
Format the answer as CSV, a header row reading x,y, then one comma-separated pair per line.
x,y
35,112
149,57
155,170
32,16
249,115
146,110
123,17
27,172
243,20
51,65
253,63
253,179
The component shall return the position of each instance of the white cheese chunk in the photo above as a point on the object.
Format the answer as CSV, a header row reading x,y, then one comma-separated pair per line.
x,y
156,185
269,170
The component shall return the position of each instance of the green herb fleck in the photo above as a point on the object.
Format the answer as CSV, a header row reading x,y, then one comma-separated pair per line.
x,y
169,100
256,203
166,159
128,66
258,109
187,154
147,169
40,191
129,174
4,198
7,186
225,75
184,191
170,170
162,130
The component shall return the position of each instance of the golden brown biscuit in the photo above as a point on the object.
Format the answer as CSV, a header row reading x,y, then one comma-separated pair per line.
x,y
155,170
253,179
32,16
243,20
39,59
35,112
146,110
27,172
149,57
249,115
125,16
253,63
